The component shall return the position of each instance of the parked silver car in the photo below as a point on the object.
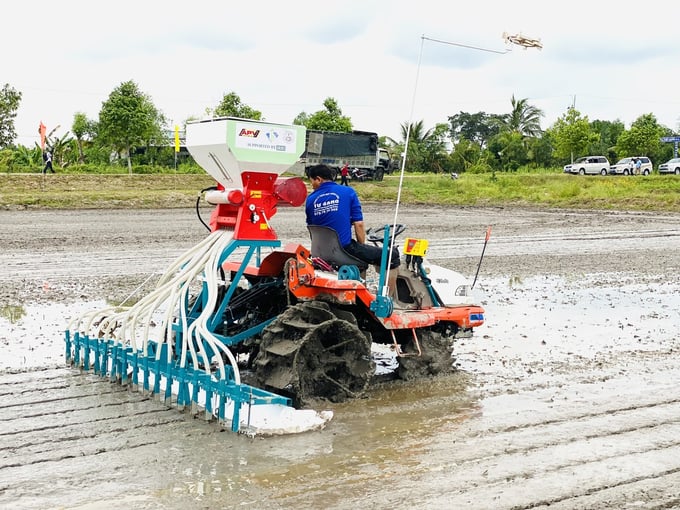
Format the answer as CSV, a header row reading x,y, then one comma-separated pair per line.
x,y
589,165
671,166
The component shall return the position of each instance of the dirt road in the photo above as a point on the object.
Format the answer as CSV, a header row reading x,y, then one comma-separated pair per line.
x,y
566,398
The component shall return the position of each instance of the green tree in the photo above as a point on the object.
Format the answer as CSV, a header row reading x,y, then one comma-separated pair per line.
x,y
476,127
609,133
29,157
328,119
422,143
522,124
128,119
642,139
60,146
508,151
9,104
231,106
301,119
465,154
571,135
524,118
81,128
540,151
434,156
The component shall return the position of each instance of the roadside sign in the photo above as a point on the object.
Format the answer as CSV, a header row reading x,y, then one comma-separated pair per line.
x,y
670,139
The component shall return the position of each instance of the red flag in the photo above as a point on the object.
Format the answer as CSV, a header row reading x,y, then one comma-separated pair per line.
x,y
42,130
488,233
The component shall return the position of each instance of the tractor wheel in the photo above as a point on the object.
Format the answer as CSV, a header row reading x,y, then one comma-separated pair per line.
x,y
436,350
312,352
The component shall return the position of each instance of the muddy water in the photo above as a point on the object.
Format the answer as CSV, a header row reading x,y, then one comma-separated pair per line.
x,y
566,398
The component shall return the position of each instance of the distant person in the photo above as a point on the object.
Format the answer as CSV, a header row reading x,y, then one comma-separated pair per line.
x,y
344,175
638,166
47,159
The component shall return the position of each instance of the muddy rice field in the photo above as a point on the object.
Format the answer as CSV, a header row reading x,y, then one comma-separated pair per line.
x,y
566,398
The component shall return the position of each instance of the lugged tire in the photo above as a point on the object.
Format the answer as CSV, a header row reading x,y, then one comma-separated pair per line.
x,y
436,356
313,352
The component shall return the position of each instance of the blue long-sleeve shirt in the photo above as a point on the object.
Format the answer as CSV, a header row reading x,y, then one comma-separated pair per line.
x,y
335,206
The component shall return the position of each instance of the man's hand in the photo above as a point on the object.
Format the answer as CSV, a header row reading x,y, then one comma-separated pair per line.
x,y
360,231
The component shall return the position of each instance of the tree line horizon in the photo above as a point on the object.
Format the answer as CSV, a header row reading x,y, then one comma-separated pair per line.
x,y
131,131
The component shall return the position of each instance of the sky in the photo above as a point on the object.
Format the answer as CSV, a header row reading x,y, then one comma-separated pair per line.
x,y
386,63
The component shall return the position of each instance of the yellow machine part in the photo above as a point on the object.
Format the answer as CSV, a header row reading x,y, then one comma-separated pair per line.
x,y
416,247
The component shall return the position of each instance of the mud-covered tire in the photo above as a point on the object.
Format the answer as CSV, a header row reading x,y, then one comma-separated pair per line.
x,y
311,352
436,357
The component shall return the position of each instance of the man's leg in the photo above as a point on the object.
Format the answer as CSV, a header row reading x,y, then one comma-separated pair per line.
x,y
373,255
392,282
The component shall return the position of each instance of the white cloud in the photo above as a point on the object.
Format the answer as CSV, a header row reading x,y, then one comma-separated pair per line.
x,y
612,62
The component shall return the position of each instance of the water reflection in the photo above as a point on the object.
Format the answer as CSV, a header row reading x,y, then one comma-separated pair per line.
x,y
32,334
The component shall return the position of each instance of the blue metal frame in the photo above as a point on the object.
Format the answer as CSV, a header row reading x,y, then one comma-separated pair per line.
x,y
110,359
383,306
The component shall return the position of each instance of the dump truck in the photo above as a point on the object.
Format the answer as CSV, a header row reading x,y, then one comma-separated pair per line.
x,y
358,149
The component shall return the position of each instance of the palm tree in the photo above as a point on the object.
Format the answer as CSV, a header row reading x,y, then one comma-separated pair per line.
x,y
425,146
418,134
524,119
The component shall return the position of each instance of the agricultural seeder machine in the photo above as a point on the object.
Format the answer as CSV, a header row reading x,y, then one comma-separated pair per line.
x,y
241,321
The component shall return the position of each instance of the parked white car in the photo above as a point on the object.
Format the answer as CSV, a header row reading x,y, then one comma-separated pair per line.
x,y
672,166
627,166
588,165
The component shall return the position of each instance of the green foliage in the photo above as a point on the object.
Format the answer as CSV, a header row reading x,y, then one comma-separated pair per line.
x,y
492,133
83,129
10,99
571,136
130,131
434,157
7,158
609,133
231,106
423,146
465,154
540,151
185,168
508,150
474,127
328,119
481,167
21,159
301,119
64,148
642,139
129,119
524,118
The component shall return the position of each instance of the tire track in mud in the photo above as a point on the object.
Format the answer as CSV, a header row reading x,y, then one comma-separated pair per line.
x,y
494,377
593,450
564,243
76,428
612,424
612,435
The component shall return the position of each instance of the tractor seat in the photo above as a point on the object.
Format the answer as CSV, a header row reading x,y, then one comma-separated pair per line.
x,y
326,246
